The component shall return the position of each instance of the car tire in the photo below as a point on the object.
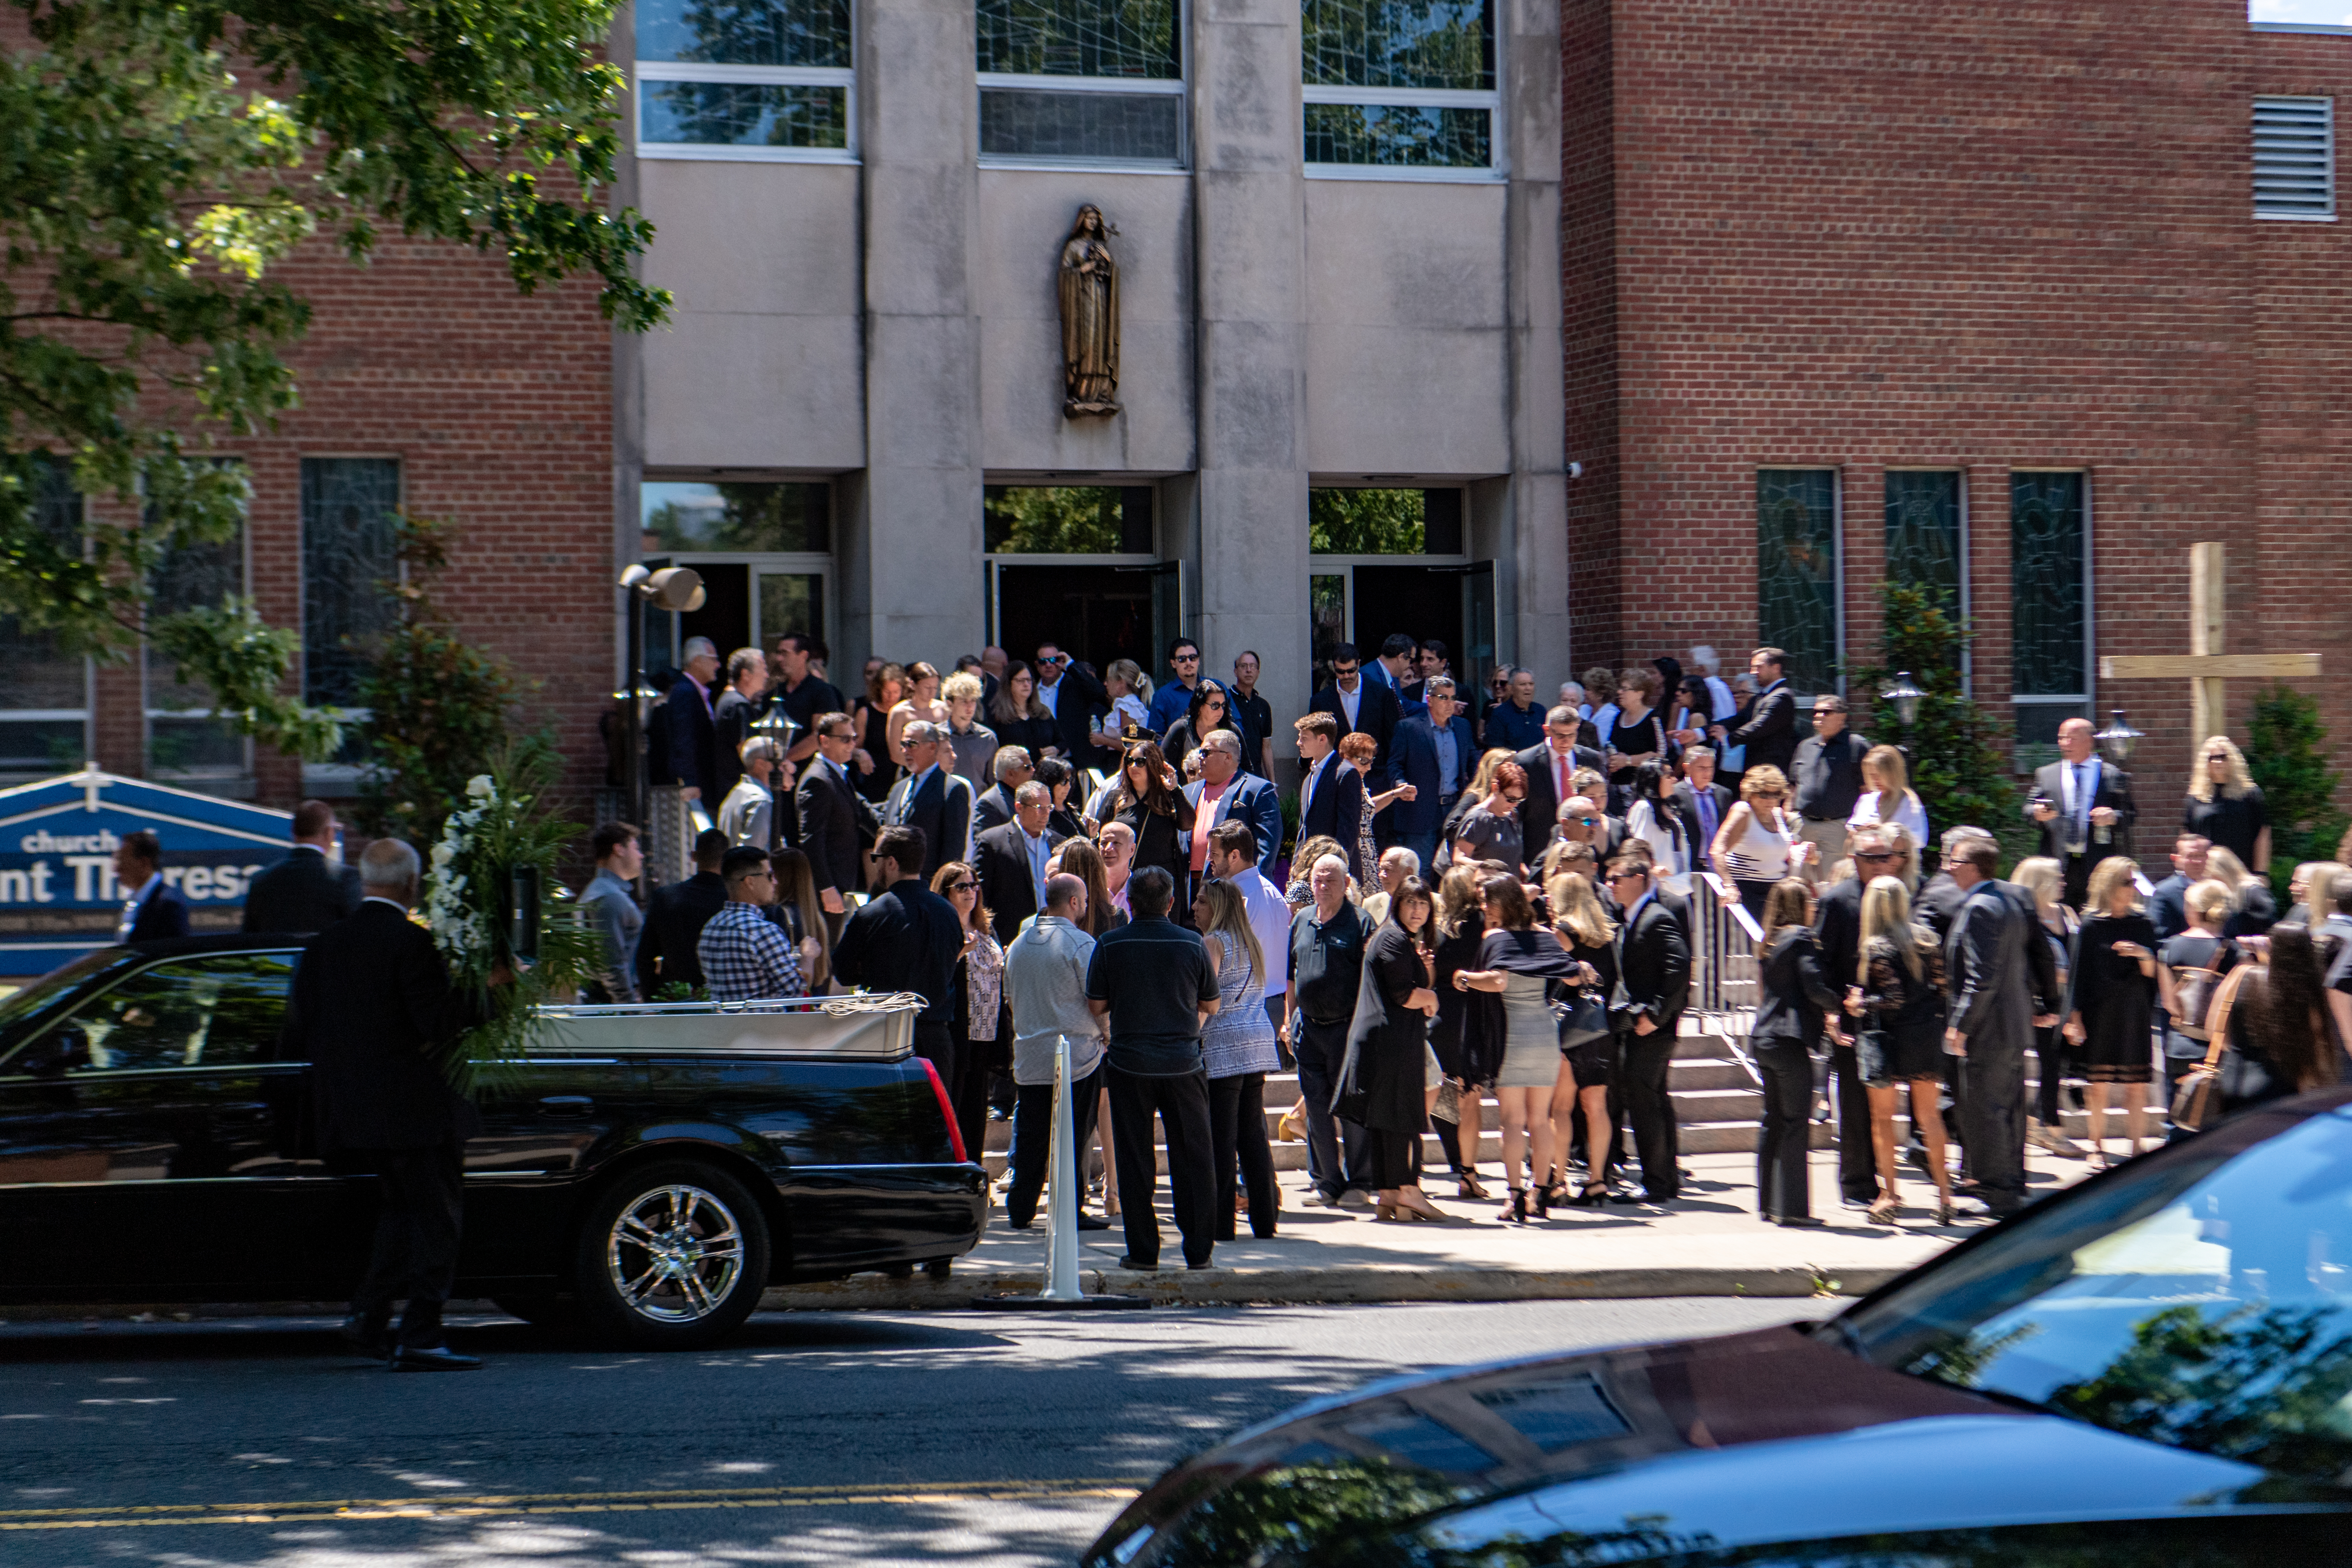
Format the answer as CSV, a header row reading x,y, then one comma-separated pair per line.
x,y
672,1256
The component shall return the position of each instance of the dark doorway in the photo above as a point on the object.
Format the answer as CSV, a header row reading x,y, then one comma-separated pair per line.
x,y
1093,613
1422,601
726,614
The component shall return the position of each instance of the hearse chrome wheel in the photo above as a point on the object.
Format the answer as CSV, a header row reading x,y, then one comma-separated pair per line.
x,y
674,1254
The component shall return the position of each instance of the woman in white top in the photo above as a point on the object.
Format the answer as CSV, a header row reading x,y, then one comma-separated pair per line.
x,y
1653,819
1130,690
1886,795
1758,843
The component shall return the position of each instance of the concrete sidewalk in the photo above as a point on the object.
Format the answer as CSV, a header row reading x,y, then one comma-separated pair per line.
x,y
1708,1243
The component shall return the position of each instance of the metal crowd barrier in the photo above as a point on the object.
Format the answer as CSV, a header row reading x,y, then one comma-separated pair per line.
x,y
1725,986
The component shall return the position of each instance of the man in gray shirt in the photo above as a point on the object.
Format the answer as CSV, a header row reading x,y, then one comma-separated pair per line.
x,y
1046,986
611,907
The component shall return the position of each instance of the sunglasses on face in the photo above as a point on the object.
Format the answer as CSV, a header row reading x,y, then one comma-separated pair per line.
x,y
1187,658
1586,821
1058,659
1876,855
963,887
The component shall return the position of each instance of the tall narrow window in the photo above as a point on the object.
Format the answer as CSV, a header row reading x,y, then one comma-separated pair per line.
x,y
1090,82
349,555
1926,540
1796,577
747,79
2049,576
2294,158
183,738
1399,88
45,691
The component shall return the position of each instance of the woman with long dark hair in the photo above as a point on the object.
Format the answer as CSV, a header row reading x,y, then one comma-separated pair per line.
x,y
1019,718
1655,819
1388,1050
871,771
1209,710
983,1023
2281,1039
1081,859
1147,801
1517,962
796,910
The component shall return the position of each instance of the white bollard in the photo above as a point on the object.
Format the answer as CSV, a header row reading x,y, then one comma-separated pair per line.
x,y
1062,1173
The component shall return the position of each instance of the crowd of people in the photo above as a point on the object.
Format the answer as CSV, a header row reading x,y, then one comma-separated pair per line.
x,y
1482,896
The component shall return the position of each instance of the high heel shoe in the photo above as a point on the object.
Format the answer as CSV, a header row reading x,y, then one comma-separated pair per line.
x,y
1515,1211
1883,1211
1471,1189
1594,1195
1552,1193
1422,1210
1944,1213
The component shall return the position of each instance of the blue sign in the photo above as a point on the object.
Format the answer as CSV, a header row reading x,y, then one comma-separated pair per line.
x,y
58,896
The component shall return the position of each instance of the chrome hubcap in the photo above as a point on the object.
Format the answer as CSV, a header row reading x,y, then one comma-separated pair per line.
x,y
675,1255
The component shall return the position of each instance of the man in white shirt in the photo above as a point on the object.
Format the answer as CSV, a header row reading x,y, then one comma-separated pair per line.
x,y
1116,843
1233,856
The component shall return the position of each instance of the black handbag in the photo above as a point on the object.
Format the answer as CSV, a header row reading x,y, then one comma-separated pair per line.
x,y
1583,1018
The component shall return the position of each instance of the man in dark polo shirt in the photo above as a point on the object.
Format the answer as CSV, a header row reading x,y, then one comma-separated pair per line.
x,y
1152,979
907,938
1327,967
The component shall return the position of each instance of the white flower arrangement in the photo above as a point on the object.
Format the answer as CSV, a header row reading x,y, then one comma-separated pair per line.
x,y
454,910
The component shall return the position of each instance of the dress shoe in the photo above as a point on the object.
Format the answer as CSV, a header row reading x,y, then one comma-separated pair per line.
x,y
432,1357
1090,1221
1204,1263
1320,1199
372,1341
1355,1199
1799,1222
1140,1268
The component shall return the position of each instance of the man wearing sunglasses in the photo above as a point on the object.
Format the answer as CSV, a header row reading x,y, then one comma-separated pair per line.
x,y
1076,698
1174,699
1362,707
745,957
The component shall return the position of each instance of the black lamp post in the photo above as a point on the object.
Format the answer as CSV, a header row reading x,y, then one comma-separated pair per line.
x,y
1906,695
2118,739
777,726
673,588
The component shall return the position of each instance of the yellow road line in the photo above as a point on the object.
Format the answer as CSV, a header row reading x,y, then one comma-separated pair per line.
x,y
332,1511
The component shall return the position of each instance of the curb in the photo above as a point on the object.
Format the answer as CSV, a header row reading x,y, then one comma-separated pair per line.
x,y
1171,1286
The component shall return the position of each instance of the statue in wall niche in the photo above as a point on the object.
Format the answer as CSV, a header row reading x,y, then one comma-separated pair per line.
x,y
1090,290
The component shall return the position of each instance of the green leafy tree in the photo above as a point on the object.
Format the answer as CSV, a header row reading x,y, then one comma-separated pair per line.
x,y
1959,765
1054,519
2287,751
156,161
439,708
1366,522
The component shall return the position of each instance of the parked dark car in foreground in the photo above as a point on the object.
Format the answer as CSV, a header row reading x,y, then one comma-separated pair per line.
x,y
2155,1367
645,1175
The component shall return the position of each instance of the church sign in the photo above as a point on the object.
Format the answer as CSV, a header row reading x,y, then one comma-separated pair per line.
x,y
58,897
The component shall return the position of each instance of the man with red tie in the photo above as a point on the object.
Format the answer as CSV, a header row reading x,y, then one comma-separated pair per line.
x,y
1550,766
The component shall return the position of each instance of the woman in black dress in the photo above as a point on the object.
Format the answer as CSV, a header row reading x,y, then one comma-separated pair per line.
x,y
1019,718
1453,1034
2225,805
1795,992
1637,735
1899,1000
1383,1076
2116,984
2281,1040
1207,712
871,772
1588,1063
1146,801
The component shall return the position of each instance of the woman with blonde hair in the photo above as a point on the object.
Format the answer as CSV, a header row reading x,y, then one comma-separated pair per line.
x,y
2226,805
1796,992
1238,1050
1589,1065
1474,794
1517,964
1898,996
1886,795
922,701
2309,901
1300,892
2253,909
2111,1002
2045,879
1130,699
1758,843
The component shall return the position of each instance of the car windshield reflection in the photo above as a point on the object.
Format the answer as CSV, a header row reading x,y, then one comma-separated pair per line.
x,y
2200,1299
23,1010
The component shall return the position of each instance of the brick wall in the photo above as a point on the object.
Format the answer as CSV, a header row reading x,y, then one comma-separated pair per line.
x,y
1981,237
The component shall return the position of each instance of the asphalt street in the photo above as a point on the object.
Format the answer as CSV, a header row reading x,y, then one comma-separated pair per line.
x,y
844,1438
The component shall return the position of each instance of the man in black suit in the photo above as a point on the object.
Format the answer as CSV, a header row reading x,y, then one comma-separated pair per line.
x,y
907,938
931,799
2004,984
669,941
1766,725
1012,768
828,812
1551,779
693,726
1331,792
743,700
1837,924
1362,708
376,1015
155,911
1703,803
303,892
2084,806
1653,986
1074,697
1012,859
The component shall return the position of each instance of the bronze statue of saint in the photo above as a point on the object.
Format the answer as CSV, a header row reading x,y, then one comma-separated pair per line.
x,y
1090,289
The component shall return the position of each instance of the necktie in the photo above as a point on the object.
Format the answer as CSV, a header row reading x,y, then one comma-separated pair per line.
x,y
1560,771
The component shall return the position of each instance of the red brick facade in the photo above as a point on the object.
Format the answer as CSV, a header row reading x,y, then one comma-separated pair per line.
x,y
1977,237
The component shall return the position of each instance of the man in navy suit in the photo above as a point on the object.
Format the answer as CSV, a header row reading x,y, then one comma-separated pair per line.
x,y
1361,707
932,799
693,726
1432,752
1332,792
1231,796
155,912
1551,764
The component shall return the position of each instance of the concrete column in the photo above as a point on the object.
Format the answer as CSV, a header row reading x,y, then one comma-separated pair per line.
x,y
1249,226
921,595
1530,134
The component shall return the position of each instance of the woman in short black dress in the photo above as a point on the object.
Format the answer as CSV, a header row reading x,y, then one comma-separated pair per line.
x,y
1898,999
871,771
1455,1034
1388,1051
2112,1007
1146,802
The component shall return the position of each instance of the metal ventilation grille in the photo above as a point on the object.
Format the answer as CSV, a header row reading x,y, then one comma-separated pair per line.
x,y
2295,157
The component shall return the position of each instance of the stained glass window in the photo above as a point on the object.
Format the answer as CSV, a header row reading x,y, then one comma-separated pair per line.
x,y
44,690
1923,533
181,735
744,78
1397,85
1091,81
347,558
1797,571
2049,654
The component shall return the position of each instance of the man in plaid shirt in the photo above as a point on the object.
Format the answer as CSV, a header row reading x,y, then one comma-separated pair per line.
x,y
746,957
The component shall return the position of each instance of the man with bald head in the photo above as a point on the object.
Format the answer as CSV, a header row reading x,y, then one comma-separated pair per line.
x,y
1327,968
1045,984
2082,807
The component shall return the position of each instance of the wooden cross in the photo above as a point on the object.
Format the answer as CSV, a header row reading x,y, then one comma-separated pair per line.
x,y
2207,669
